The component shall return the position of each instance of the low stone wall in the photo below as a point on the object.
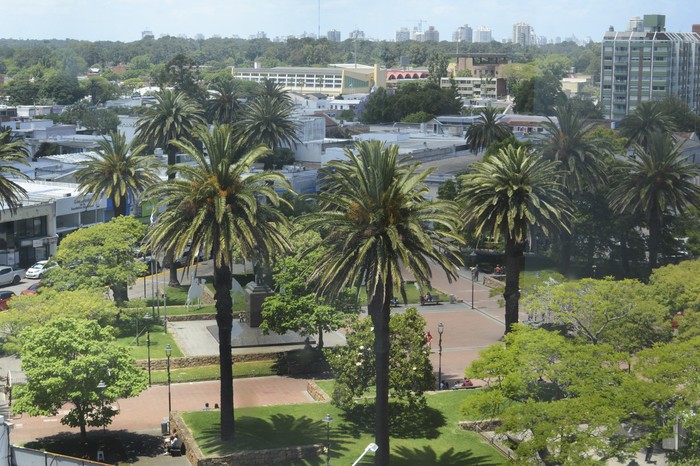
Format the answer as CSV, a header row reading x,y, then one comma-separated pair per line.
x,y
194,361
316,392
482,425
191,317
493,282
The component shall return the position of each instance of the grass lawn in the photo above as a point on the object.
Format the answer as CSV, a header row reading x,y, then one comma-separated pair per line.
x,y
432,440
158,341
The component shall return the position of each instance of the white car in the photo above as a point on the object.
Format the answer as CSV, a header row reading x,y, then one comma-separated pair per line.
x,y
36,270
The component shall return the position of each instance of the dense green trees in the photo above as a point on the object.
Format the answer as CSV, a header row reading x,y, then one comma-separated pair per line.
x,y
99,256
76,361
385,107
216,206
373,213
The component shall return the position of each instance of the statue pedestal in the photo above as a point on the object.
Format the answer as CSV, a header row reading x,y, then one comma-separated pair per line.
x,y
254,296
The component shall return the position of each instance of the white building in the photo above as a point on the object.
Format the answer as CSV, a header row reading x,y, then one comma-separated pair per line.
x,y
482,34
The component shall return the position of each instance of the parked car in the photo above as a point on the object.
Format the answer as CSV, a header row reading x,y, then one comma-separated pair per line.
x,y
152,265
5,296
185,258
10,275
34,289
37,270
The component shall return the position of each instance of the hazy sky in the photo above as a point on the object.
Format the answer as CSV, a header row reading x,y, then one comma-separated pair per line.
x,y
123,20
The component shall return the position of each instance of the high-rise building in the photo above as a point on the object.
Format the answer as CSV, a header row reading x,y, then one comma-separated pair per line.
x,y
431,35
145,34
462,34
482,34
357,34
639,66
523,34
403,35
333,35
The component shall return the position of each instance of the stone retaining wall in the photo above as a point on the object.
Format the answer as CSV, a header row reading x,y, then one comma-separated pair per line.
x,y
316,392
482,425
190,317
194,361
492,282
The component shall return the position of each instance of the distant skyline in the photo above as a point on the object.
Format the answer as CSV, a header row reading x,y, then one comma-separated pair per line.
x,y
124,20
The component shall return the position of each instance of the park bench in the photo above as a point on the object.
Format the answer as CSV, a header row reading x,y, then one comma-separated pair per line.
x,y
434,300
462,386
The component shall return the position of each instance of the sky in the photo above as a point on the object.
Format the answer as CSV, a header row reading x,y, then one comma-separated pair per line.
x,y
124,20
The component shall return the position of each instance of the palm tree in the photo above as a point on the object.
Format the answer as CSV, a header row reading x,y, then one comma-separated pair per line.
x,y
223,106
569,141
510,195
375,214
273,89
658,181
487,130
11,151
267,120
118,172
648,118
216,205
172,118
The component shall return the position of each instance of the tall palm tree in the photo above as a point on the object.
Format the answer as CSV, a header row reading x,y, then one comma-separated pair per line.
x,y
510,195
118,172
172,118
569,141
273,89
487,130
11,151
374,211
223,106
648,118
216,205
658,181
268,120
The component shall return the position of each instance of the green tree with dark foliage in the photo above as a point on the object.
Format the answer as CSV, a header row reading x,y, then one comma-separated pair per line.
x,y
76,361
538,95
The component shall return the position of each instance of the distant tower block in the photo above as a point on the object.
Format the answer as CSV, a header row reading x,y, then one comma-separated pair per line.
x,y
145,34
696,28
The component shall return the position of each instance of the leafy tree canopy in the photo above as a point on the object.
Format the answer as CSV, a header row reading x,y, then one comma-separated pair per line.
x,y
71,360
99,256
49,304
410,370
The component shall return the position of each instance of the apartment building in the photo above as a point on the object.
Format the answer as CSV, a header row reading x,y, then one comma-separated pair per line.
x,y
647,65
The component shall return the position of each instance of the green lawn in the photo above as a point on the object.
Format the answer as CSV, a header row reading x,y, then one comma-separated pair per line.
x,y
158,341
432,440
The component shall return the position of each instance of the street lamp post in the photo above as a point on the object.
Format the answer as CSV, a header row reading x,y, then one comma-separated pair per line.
x,y
168,353
594,270
147,318
441,328
328,419
101,386
473,257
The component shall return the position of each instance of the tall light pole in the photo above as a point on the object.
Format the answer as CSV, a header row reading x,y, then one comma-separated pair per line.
x,y
168,353
101,386
328,419
441,328
594,270
147,318
473,257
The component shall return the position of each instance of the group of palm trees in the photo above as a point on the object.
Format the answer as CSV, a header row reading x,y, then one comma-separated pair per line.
x,y
374,215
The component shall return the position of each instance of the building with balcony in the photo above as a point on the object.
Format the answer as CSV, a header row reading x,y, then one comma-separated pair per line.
x,y
476,88
639,66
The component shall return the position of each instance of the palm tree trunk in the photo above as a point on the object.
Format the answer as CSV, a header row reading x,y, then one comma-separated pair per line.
x,y
566,241
654,241
170,259
511,295
120,210
224,320
319,345
379,311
